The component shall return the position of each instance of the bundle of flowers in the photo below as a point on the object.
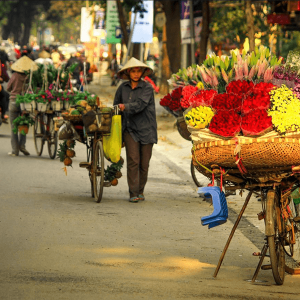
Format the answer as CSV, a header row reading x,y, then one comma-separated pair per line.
x,y
187,91
227,101
171,102
256,122
285,108
257,66
186,76
288,74
202,97
242,96
226,123
199,117
242,109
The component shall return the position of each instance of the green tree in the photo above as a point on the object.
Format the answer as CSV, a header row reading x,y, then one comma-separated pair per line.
x,y
19,17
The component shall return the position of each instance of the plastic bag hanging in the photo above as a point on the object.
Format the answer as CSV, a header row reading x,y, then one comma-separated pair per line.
x,y
112,144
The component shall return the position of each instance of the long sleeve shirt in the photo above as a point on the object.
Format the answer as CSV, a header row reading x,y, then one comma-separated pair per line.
x,y
139,116
15,85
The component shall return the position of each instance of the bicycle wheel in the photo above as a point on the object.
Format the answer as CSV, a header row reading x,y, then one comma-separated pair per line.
x,y
290,229
98,171
51,137
89,154
195,174
273,231
38,133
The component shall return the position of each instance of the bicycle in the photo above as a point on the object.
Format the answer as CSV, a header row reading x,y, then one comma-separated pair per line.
x,y
96,162
44,130
273,180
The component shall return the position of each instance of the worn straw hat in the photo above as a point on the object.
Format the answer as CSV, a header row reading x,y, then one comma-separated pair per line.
x,y
24,64
44,54
134,63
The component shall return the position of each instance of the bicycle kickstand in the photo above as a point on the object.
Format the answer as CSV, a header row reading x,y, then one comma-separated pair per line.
x,y
262,256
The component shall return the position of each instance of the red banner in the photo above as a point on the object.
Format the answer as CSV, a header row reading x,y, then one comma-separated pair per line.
x,y
282,19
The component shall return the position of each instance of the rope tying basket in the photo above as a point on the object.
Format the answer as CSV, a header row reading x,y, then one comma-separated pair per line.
x,y
255,153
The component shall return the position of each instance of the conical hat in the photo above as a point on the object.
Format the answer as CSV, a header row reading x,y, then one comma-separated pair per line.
x,y
134,63
24,64
44,54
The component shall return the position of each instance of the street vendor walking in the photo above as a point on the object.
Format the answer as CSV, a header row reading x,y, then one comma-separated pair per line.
x,y
16,87
135,99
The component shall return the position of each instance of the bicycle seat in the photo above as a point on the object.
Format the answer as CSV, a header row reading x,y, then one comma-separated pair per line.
x,y
220,212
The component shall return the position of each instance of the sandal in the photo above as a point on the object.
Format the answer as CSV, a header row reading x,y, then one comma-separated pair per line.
x,y
142,197
134,199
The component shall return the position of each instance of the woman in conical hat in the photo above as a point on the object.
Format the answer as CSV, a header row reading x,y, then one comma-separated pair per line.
x,y
15,87
24,64
135,99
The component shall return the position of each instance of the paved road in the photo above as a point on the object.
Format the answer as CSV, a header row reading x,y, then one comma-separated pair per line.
x,y
57,243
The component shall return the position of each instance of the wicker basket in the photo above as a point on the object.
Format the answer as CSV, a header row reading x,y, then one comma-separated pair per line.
x,y
75,118
182,129
255,153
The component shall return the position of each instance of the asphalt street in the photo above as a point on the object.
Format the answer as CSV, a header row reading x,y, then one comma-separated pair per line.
x,y
57,243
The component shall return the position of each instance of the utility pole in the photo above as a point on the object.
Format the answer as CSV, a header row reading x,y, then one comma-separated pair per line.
x,y
192,31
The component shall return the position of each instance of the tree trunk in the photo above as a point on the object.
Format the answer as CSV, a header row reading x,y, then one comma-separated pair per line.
x,y
27,23
122,20
172,11
250,25
204,35
136,50
165,72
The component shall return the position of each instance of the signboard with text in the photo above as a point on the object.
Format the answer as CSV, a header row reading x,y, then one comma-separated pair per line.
x,y
86,25
185,26
143,28
112,21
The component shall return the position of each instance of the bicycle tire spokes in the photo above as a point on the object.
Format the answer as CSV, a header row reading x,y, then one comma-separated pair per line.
x,y
38,134
51,138
274,230
98,170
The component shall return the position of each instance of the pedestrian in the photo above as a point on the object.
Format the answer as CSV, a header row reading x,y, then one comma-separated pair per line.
x,y
74,59
55,56
4,96
16,87
135,99
113,68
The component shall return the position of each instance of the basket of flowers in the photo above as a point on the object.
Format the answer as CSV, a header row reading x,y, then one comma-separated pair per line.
x,y
245,117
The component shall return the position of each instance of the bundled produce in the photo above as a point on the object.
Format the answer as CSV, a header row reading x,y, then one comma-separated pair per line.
x,y
66,153
113,172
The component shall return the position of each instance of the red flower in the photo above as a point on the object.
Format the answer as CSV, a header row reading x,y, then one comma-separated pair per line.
x,y
258,98
202,97
225,123
166,100
187,91
256,101
227,101
256,122
176,93
265,87
239,87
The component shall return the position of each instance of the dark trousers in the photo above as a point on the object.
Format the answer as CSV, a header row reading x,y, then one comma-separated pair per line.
x,y
138,157
4,100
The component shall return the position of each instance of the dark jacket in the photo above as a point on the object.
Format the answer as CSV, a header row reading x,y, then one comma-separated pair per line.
x,y
139,116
